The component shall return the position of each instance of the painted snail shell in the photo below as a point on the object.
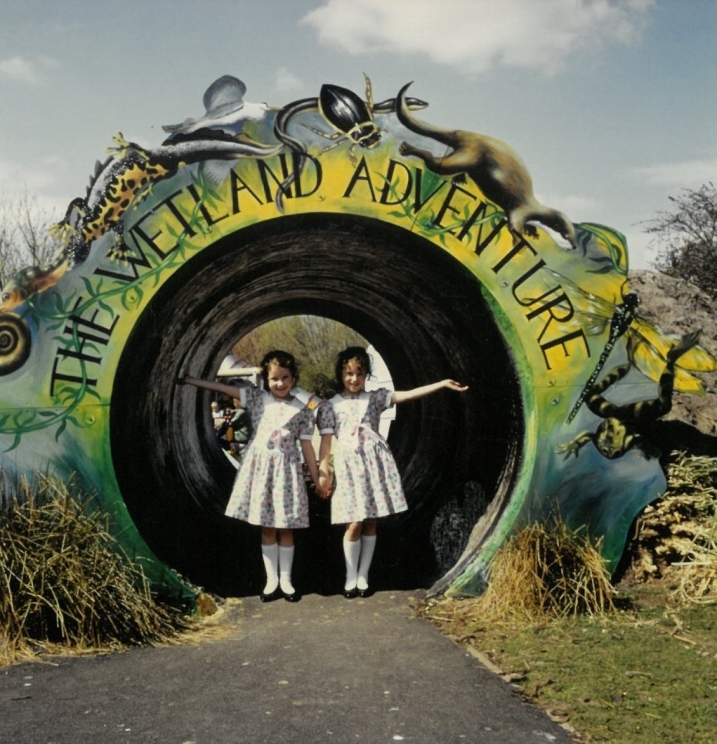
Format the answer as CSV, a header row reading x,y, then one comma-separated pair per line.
x,y
15,342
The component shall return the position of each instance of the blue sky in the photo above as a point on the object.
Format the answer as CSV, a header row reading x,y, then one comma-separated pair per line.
x,y
612,104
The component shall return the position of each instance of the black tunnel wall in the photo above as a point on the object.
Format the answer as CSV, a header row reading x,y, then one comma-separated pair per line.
x,y
420,308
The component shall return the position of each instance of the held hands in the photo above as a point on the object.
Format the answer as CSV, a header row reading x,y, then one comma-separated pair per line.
x,y
323,487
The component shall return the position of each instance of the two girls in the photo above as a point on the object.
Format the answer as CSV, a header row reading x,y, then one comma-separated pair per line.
x,y
368,485
269,490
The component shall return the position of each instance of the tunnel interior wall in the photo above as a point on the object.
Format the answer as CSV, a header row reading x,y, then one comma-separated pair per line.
x,y
422,311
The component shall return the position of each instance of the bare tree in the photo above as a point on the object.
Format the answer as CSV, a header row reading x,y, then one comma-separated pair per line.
x,y
312,339
25,239
686,238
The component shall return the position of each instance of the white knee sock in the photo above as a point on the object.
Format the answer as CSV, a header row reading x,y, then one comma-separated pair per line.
x,y
368,545
351,554
270,555
286,559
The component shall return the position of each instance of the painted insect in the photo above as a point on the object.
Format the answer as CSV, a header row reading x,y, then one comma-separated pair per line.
x,y
622,318
647,344
628,426
350,118
349,115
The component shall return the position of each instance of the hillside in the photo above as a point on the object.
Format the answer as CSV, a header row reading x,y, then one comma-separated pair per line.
x,y
679,307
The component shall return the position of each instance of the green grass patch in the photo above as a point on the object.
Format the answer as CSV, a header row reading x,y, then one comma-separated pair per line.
x,y
644,675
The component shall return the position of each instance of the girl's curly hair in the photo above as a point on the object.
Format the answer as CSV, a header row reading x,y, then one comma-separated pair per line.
x,y
282,359
347,355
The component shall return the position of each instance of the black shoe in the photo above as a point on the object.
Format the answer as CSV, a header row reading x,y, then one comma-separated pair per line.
x,y
293,597
363,593
271,596
351,593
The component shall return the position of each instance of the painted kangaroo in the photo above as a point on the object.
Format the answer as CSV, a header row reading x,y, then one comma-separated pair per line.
x,y
492,164
123,179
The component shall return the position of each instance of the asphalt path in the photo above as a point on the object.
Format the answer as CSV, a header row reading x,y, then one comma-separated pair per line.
x,y
324,669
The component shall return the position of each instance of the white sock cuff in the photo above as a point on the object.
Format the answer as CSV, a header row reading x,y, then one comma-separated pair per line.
x,y
368,543
352,548
270,557
270,551
286,557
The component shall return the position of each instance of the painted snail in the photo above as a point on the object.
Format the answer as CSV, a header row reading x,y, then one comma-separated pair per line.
x,y
15,342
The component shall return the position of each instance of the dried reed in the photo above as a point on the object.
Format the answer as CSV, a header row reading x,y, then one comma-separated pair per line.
x,y
63,578
676,536
698,572
546,570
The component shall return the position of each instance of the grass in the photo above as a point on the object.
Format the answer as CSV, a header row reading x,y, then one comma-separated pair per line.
x,y
627,664
648,674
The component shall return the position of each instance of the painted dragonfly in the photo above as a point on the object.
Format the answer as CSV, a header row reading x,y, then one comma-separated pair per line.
x,y
647,344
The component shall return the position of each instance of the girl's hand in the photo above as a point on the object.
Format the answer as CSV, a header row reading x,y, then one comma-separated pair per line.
x,y
453,385
401,396
323,489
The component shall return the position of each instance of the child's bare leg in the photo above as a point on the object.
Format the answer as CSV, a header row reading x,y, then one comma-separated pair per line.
x,y
286,538
369,527
268,536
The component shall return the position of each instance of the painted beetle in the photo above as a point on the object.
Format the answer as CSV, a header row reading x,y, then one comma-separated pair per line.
x,y
349,116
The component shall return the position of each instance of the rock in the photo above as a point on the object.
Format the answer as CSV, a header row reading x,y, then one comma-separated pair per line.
x,y
679,307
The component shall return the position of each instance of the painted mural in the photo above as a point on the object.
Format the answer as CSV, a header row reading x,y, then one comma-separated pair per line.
x,y
591,374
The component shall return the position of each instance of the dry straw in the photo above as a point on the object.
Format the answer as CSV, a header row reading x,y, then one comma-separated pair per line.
x,y
63,578
544,571
692,500
676,536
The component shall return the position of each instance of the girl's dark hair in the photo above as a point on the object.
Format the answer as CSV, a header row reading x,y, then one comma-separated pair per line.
x,y
347,355
282,359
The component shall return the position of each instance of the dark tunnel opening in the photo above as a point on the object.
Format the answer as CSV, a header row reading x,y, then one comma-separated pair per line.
x,y
424,313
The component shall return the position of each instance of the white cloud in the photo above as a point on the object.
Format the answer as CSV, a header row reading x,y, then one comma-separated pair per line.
x,y
578,208
689,174
475,35
286,81
30,71
33,179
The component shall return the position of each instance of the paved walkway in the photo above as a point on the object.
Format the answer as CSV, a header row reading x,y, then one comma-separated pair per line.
x,y
322,670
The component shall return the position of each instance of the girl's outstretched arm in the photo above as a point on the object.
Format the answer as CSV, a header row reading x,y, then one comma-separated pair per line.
x,y
401,396
217,387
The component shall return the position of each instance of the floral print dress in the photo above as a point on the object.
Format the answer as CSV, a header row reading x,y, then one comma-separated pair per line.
x,y
368,484
270,489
